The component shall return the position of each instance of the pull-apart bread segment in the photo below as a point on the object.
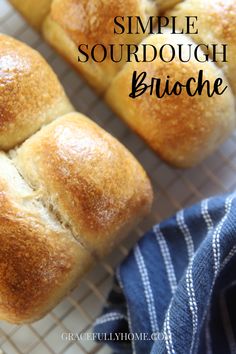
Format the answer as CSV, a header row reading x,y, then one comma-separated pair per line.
x,y
34,11
75,22
88,179
40,261
30,94
216,24
183,130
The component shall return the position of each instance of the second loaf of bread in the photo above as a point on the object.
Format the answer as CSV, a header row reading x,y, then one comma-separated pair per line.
x,y
183,130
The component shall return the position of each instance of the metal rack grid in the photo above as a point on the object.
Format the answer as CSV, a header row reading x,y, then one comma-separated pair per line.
x,y
174,189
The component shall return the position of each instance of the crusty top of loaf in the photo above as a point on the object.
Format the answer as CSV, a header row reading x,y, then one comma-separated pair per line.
x,y
39,258
90,22
30,94
181,129
93,183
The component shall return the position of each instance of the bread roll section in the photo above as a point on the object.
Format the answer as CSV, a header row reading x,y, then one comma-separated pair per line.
x,y
183,130
72,23
40,261
30,93
88,179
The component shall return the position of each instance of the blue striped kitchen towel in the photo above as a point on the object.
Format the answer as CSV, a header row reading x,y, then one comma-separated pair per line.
x,y
176,291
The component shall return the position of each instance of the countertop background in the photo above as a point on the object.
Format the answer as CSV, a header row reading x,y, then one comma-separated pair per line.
x,y
174,189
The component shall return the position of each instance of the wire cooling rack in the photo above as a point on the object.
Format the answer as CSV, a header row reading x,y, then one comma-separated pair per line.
x,y
174,189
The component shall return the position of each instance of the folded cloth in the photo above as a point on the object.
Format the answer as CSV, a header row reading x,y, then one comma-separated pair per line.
x,y
176,291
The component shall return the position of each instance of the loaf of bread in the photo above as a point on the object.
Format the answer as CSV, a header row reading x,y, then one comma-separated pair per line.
x,y
68,195
183,130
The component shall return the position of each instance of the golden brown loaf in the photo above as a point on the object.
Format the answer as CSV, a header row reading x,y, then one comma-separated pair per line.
x,y
181,129
68,195
30,93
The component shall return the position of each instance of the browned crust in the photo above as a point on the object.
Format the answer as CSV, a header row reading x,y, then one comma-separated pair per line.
x,y
75,22
30,94
183,130
95,185
92,22
37,264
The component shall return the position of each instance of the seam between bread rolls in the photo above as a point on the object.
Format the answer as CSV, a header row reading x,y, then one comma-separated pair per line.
x,y
150,7
31,198
102,212
40,260
48,206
